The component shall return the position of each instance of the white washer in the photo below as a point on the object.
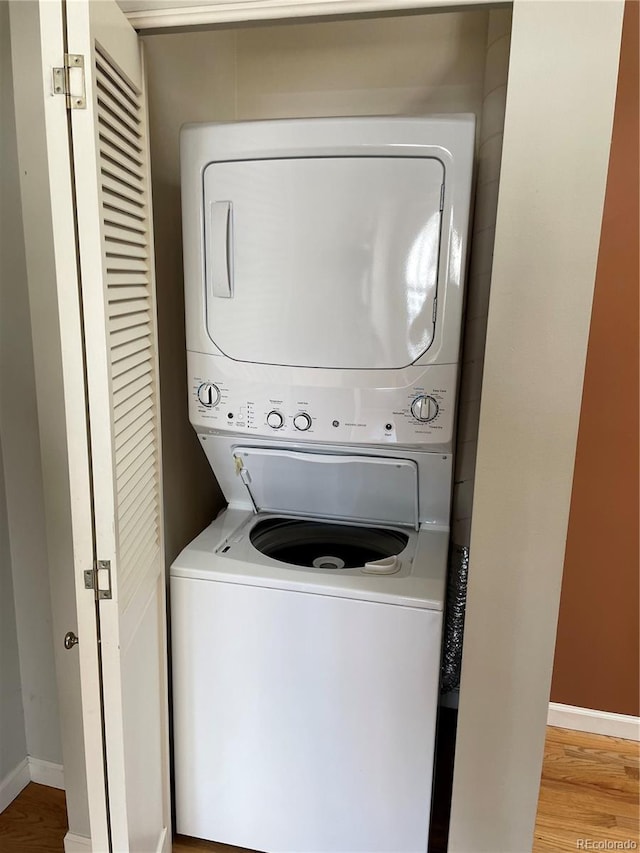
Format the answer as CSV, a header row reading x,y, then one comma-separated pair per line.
x,y
305,683
324,262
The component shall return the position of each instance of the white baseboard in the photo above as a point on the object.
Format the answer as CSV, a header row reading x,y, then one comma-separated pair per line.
x,y
76,843
46,773
595,722
13,783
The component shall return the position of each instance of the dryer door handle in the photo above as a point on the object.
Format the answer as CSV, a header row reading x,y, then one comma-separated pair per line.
x,y
220,272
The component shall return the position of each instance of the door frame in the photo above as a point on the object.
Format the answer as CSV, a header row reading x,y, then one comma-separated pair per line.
x,y
531,393
44,158
525,460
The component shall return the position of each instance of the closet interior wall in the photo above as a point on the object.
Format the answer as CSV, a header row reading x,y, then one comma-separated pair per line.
x,y
406,65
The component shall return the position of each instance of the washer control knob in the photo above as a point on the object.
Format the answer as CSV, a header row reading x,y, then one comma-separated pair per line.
x,y
209,394
302,421
275,419
424,408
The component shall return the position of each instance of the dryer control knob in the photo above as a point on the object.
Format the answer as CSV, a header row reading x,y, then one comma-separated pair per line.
x,y
209,394
424,408
275,420
302,421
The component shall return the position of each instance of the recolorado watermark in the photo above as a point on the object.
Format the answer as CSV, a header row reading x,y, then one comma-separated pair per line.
x,y
605,844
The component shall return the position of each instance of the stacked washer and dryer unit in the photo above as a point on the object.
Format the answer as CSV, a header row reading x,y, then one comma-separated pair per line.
x,y
324,264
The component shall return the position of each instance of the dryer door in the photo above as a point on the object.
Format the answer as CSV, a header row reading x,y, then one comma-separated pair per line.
x,y
323,262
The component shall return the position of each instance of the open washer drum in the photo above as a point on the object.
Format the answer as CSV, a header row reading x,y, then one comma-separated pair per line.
x,y
329,512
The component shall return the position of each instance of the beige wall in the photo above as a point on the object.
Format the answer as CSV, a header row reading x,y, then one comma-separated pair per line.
x,y
189,78
407,65
398,65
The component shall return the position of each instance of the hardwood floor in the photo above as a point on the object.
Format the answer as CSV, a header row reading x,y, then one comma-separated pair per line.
x,y
35,822
590,791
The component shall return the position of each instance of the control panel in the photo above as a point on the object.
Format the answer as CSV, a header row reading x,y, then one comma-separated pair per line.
x,y
419,413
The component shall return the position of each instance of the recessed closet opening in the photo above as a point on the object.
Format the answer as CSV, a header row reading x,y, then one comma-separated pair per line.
x,y
413,65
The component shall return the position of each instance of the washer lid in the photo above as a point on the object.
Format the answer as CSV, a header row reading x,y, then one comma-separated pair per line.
x,y
355,488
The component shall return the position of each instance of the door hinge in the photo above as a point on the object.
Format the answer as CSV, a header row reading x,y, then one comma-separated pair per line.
x,y
99,579
435,310
69,81
442,197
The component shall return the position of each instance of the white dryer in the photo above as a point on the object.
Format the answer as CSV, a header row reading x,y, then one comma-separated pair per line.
x,y
324,262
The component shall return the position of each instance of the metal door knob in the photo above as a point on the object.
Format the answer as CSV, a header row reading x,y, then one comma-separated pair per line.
x,y
70,640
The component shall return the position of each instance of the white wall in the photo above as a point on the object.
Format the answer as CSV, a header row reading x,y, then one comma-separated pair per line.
x,y
26,545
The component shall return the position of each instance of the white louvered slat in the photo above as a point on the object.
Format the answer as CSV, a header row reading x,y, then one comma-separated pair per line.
x,y
120,172
119,136
137,462
141,546
129,222
125,364
129,422
127,320
118,106
118,203
126,294
125,408
129,349
146,563
136,333
130,198
112,144
130,324
123,399
126,279
122,380
117,264
124,249
106,71
129,430
138,516
143,551
123,233
121,130
133,492
143,433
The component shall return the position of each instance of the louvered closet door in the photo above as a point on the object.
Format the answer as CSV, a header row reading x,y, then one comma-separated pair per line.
x,y
111,161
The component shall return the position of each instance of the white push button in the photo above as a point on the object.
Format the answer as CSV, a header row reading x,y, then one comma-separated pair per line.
x,y
302,421
275,420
